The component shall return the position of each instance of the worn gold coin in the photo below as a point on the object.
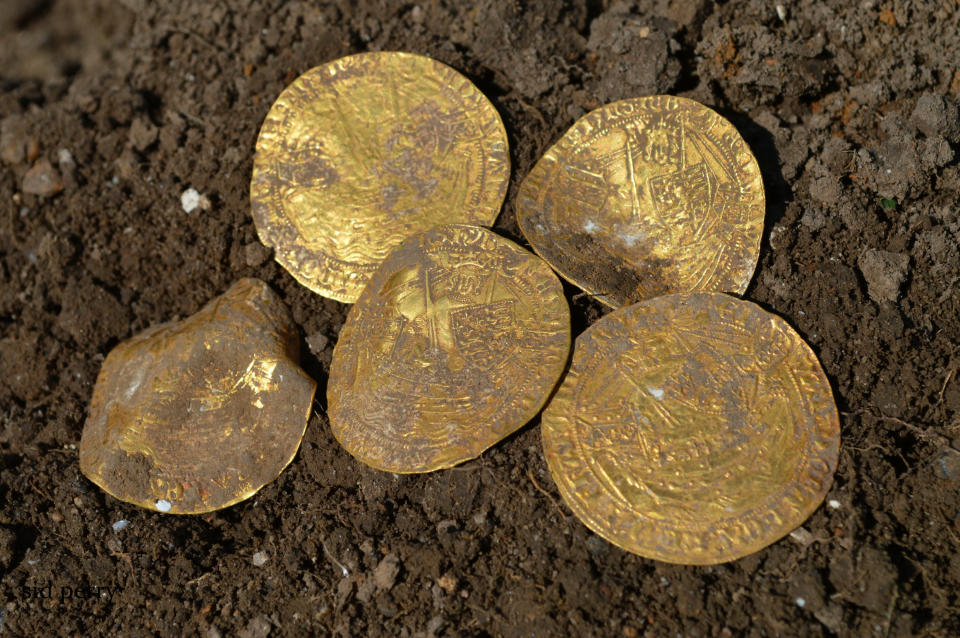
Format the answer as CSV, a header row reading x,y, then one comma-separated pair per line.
x,y
198,414
358,154
456,343
645,197
692,428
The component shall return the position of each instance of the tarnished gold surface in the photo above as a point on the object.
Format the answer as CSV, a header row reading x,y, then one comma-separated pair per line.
x,y
457,342
360,153
195,415
645,197
692,428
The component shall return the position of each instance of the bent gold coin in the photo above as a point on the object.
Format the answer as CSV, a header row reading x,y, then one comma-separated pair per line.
x,y
692,428
645,197
358,154
195,415
456,343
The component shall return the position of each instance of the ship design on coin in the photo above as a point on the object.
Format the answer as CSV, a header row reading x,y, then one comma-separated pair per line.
x,y
457,342
358,154
645,197
692,428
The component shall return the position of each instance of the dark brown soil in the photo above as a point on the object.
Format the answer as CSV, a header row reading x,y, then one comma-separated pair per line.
x,y
851,108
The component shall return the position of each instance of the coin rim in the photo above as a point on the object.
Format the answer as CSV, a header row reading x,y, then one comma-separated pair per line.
x,y
557,424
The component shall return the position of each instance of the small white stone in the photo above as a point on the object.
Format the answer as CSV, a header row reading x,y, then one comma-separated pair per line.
x,y
781,12
260,558
121,525
801,602
191,200
835,504
802,536
163,505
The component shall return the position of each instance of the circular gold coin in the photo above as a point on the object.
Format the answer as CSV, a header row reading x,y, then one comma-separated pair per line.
x,y
456,343
358,154
198,414
693,428
645,197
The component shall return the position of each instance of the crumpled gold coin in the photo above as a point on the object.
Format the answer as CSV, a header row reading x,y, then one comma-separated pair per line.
x,y
645,197
456,343
360,153
692,428
194,415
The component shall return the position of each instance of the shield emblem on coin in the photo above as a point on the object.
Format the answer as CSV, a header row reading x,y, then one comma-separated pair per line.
x,y
679,196
481,331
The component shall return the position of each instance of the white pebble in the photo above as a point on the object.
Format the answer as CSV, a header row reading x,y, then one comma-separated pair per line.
x,y
191,200
121,525
802,536
835,504
801,602
781,12
163,505
260,558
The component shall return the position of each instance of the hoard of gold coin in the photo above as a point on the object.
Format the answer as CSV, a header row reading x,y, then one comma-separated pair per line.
x,y
692,428
360,153
198,414
456,343
645,197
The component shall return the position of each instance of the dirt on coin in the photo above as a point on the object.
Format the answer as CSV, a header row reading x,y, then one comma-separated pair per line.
x,y
111,111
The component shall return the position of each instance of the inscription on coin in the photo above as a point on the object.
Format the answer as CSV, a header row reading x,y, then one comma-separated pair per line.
x,y
692,428
645,197
358,154
456,343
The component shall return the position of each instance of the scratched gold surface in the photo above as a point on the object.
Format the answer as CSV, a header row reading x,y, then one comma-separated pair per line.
x,y
645,197
203,412
358,154
692,428
456,343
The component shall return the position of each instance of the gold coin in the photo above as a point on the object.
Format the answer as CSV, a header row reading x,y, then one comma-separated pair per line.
x,y
195,415
358,154
645,197
456,343
693,428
